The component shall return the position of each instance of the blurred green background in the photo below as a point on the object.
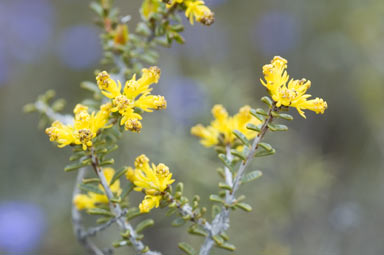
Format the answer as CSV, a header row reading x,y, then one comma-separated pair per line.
x,y
321,194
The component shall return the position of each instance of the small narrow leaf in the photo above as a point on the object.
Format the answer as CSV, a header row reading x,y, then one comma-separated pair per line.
x,y
216,198
264,153
266,100
282,115
132,213
180,187
266,146
257,115
73,167
117,175
187,248
214,211
91,180
241,137
277,127
251,176
223,185
178,222
254,127
244,206
261,111
144,224
226,161
107,162
228,246
99,211
238,154
218,239
90,188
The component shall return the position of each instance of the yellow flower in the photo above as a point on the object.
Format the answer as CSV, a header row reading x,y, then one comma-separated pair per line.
x,y
121,35
91,199
293,94
224,125
84,128
152,180
196,10
149,202
173,2
136,94
149,7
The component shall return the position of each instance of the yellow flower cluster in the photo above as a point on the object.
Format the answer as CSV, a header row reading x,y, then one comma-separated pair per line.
x,y
199,11
293,94
194,10
152,180
224,125
136,94
92,199
84,128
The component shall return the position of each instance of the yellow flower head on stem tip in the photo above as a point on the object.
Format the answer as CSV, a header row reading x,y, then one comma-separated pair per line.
x,y
171,3
121,35
149,202
149,8
291,94
151,179
136,94
84,128
224,125
197,10
91,199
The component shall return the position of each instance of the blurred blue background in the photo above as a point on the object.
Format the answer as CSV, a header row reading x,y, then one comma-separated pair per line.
x,y
321,194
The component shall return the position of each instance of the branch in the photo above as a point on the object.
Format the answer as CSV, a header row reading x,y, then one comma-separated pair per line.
x,y
116,209
186,210
221,222
51,114
93,231
78,229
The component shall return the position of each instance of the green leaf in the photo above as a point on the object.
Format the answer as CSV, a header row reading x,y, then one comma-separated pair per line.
x,y
96,8
215,211
277,127
187,248
90,86
144,224
107,162
264,153
254,127
227,246
251,176
91,180
266,146
241,137
218,239
178,222
77,155
266,100
180,187
117,175
226,161
257,115
132,213
244,206
196,230
73,167
261,111
126,190
90,188
143,29
216,198
99,211
238,154
223,185
282,115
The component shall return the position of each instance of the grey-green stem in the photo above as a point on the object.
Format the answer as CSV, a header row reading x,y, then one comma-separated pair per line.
x,y
221,222
116,209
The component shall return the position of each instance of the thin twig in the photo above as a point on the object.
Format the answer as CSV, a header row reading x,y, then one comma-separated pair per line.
x,y
116,209
221,222
94,230
78,229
